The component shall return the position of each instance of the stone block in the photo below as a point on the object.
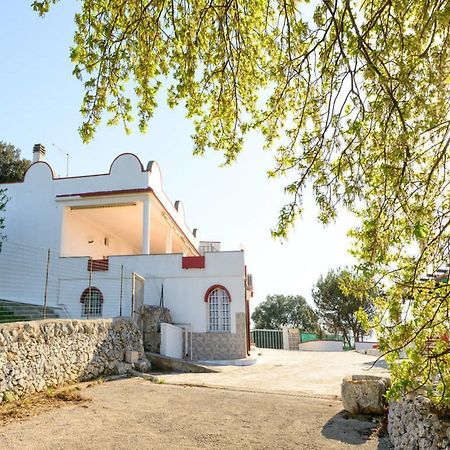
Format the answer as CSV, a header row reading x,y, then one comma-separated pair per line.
x,y
143,365
364,394
131,357
122,368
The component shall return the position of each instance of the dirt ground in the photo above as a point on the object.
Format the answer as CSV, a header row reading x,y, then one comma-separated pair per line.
x,y
137,414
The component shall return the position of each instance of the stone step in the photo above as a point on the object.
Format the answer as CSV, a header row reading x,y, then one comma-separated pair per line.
x,y
18,312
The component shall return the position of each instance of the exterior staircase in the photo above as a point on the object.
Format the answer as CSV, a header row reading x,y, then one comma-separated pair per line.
x,y
20,312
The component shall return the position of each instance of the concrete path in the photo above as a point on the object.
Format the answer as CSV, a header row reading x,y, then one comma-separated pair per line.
x,y
302,373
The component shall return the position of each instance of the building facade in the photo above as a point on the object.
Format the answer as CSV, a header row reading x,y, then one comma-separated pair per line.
x,y
102,245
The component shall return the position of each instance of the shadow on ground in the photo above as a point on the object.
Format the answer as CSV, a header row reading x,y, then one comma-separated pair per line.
x,y
381,363
355,429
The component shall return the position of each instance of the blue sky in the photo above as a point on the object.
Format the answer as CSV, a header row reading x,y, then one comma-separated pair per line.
x,y
40,101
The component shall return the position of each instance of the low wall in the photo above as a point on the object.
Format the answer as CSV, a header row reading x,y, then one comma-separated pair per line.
x,y
171,341
37,355
321,346
413,425
221,345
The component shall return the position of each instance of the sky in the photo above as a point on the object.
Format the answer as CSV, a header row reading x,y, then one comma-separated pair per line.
x,y
237,204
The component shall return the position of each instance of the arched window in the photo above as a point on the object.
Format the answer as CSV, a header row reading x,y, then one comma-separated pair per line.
x,y
92,300
218,299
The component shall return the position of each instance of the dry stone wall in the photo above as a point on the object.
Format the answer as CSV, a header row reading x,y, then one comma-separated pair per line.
x,y
152,317
37,355
413,425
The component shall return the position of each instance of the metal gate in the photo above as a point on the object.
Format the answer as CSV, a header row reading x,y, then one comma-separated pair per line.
x,y
137,298
267,338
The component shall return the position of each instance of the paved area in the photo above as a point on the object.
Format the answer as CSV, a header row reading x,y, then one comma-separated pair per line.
x,y
282,371
137,414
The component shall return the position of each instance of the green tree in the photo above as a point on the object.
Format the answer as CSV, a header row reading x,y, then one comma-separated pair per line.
x,y
338,305
12,166
353,96
279,310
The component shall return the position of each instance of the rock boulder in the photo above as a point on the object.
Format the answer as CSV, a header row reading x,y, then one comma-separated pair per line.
x,y
364,394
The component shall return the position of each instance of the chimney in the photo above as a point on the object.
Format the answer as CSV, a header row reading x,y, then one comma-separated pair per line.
x,y
38,152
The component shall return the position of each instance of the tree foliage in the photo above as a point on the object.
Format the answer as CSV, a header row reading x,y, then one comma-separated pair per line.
x,y
279,310
339,298
353,96
12,166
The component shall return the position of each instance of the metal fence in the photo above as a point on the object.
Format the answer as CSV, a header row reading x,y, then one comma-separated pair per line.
x,y
267,338
306,337
36,283
264,338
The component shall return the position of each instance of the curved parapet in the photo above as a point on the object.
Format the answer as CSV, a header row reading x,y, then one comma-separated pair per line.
x,y
125,165
155,174
180,209
40,172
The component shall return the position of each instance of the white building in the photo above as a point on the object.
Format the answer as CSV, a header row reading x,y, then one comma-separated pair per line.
x,y
91,245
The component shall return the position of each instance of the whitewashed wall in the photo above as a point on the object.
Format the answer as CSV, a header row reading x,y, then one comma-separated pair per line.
x,y
184,289
34,216
78,232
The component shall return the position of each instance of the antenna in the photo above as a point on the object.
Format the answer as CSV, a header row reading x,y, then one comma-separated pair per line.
x,y
62,150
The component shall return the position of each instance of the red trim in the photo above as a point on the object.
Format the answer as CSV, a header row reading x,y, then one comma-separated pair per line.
x,y
85,293
216,286
104,193
98,265
247,326
86,176
193,262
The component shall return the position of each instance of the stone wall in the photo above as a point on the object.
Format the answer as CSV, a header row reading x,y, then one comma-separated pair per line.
x,y
413,425
152,317
214,346
37,355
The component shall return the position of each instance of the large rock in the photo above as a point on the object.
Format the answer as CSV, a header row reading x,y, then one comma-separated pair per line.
x,y
364,394
152,317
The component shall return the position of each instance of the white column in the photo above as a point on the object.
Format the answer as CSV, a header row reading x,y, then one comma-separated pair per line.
x,y
169,239
146,227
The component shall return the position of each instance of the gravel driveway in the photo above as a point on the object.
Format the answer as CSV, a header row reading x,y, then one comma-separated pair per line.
x,y
289,400
137,414
314,373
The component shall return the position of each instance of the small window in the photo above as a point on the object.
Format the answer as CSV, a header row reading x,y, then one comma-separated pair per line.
x,y
92,300
218,300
